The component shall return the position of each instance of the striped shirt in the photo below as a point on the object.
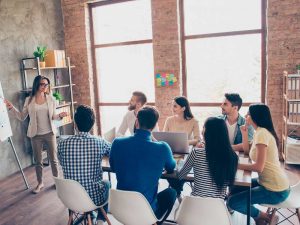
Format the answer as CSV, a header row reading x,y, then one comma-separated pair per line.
x,y
80,157
204,185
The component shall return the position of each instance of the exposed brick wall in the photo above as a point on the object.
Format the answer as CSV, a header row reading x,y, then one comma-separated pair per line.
x,y
283,51
166,51
78,48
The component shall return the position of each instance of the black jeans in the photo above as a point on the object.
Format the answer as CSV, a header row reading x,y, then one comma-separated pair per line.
x,y
176,184
165,202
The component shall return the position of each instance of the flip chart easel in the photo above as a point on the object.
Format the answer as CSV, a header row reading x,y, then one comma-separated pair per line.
x,y
6,132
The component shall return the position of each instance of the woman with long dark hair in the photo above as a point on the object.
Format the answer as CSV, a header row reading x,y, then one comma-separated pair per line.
x,y
41,109
183,120
272,185
216,165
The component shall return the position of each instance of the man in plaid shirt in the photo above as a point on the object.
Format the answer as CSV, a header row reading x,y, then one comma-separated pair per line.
x,y
80,157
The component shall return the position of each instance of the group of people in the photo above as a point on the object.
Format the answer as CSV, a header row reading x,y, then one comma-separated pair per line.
x,y
139,160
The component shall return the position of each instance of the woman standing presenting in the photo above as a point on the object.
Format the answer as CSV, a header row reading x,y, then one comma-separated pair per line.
x,y
41,108
183,120
272,185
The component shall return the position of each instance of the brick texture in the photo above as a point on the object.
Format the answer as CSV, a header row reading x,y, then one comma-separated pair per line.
x,y
78,48
283,51
166,51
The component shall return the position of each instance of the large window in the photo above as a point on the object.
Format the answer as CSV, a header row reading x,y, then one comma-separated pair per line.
x,y
223,50
123,52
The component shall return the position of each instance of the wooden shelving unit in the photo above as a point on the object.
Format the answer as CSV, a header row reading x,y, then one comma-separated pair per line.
x,y
30,68
291,118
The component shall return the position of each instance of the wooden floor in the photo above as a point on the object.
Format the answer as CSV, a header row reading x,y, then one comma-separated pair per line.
x,y
19,207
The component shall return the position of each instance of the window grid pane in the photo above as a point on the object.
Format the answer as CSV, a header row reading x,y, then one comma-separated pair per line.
x,y
215,16
125,69
224,64
127,21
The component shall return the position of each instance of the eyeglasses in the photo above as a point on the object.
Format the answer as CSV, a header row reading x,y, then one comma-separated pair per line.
x,y
44,84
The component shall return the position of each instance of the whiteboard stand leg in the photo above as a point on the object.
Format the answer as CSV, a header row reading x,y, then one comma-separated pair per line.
x,y
13,147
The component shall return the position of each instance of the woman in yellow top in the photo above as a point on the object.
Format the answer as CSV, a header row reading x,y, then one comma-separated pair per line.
x,y
183,120
272,185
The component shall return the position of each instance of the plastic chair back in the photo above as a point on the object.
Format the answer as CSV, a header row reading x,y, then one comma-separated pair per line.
x,y
202,211
131,208
73,195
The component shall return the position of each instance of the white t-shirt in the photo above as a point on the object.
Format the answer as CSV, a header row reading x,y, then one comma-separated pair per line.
x,y
128,123
42,119
231,131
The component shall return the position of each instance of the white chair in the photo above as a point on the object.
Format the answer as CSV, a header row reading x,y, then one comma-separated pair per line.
x,y
202,211
292,202
77,200
131,208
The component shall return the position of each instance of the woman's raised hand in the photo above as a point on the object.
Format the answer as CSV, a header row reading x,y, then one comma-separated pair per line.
x,y
8,104
244,129
63,114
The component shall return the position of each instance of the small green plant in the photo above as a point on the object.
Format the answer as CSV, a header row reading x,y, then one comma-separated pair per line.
x,y
40,52
298,67
57,96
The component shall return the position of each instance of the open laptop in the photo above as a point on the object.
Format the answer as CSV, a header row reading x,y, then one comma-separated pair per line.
x,y
177,141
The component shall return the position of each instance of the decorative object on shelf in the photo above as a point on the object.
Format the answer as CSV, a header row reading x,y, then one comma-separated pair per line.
x,y
41,53
298,68
165,79
55,58
58,97
66,120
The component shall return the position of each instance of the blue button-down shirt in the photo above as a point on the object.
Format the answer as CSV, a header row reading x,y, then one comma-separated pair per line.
x,y
80,157
237,133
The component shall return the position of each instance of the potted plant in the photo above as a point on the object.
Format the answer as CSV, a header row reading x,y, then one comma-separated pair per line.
x,y
41,53
298,68
58,97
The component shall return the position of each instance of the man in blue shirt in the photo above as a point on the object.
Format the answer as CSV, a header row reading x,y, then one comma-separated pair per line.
x,y
230,110
139,163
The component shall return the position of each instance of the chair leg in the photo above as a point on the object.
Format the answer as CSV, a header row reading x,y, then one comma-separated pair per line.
x,y
298,214
105,216
70,221
84,219
89,219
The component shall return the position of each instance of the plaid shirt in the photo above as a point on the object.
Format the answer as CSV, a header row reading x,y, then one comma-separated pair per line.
x,y
80,157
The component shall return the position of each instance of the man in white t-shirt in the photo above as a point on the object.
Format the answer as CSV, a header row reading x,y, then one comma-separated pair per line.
x,y
136,102
230,110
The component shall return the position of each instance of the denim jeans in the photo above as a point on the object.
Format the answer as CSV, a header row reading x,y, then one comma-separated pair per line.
x,y
165,202
259,195
106,186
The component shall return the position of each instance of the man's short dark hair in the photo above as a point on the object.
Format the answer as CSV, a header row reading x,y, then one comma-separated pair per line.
x,y
234,99
141,97
147,117
84,118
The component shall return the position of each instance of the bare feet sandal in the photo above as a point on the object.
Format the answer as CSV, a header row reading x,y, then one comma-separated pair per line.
x,y
38,188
